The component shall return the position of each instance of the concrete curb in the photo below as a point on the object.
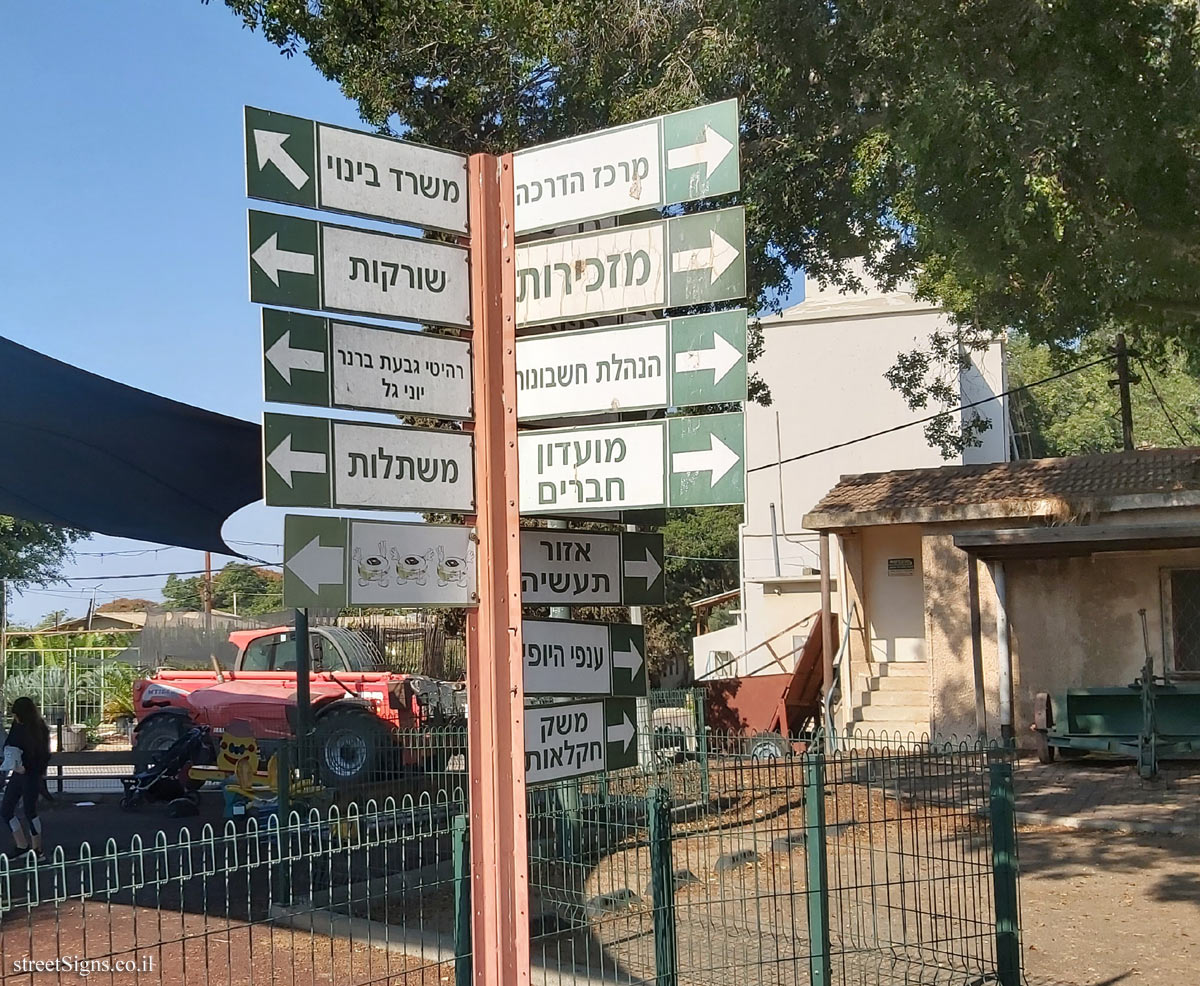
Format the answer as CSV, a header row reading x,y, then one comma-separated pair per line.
x,y
1104,824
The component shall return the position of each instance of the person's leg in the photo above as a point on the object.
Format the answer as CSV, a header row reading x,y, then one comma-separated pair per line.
x,y
8,809
29,799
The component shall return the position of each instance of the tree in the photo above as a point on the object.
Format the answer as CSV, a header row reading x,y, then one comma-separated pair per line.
x,y
1080,413
1032,166
254,590
33,554
127,605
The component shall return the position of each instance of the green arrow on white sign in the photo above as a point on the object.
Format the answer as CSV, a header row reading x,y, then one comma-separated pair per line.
x,y
315,462
674,462
690,260
326,362
563,741
570,658
305,264
675,362
302,162
646,165
332,562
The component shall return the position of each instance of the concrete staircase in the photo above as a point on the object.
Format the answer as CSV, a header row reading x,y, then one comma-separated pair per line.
x,y
891,697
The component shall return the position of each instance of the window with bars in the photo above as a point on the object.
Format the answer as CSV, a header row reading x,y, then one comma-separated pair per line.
x,y
1184,608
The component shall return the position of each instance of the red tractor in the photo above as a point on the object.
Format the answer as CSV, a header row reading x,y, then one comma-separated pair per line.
x,y
368,720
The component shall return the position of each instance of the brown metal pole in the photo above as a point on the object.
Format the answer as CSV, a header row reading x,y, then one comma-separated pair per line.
x,y
826,615
496,738
977,646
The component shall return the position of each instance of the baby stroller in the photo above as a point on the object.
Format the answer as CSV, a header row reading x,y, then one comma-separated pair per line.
x,y
166,779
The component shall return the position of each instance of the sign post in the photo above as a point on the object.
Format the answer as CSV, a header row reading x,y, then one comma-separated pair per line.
x,y
496,737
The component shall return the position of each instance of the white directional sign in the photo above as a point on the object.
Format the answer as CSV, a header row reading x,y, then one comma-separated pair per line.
x,y
315,462
671,363
674,462
690,260
563,741
591,568
329,363
305,264
332,562
290,159
646,165
565,658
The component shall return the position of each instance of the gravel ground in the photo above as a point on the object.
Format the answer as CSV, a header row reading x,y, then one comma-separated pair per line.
x,y
1100,909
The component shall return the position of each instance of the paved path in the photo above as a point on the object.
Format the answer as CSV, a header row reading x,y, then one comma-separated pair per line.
x,y
1108,794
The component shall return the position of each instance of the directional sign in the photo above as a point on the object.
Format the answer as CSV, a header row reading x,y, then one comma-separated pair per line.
x,y
674,462
331,562
646,165
690,260
328,363
564,741
301,162
306,264
565,658
315,462
698,359
591,568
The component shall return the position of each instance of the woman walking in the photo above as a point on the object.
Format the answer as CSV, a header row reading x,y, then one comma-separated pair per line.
x,y
26,755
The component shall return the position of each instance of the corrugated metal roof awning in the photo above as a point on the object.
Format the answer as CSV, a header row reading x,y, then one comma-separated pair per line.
x,y
1075,541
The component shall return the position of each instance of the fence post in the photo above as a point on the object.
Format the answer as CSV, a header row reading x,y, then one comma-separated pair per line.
x,y
662,886
462,903
820,964
698,699
283,813
1004,868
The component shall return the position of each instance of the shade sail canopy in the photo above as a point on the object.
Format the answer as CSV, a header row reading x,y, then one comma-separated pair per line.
x,y
80,450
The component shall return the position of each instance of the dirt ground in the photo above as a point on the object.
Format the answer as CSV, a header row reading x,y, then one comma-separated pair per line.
x,y
1100,908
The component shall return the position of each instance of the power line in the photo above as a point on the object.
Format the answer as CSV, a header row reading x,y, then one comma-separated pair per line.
x,y
931,417
1163,404
153,575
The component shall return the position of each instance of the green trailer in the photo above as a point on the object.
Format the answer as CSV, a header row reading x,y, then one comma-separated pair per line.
x,y
1151,718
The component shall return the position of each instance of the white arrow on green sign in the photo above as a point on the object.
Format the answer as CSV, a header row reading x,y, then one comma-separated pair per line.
x,y
563,741
674,462
305,264
568,658
676,362
326,362
315,462
689,260
302,162
646,165
332,562
591,568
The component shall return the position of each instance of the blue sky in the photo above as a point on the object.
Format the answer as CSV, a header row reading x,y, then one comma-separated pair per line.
x,y
124,249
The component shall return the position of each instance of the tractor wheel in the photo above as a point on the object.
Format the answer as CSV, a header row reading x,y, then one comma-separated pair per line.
x,y
768,746
352,746
1041,744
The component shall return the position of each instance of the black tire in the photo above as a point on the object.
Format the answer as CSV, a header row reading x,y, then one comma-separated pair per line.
x,y
156,736
768,746
352,747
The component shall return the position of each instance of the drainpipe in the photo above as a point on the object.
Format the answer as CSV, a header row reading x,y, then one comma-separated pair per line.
x,y
775,541
826,615
1003,652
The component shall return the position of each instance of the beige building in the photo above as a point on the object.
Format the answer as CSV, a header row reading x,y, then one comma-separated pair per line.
x,y
824,361
980,586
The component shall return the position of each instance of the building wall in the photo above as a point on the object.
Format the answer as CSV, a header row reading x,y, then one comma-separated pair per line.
x,y
1073,621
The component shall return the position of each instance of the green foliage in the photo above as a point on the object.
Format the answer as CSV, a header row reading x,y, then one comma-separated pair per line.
x,y
127,605
1081,413
258,590
33,554
699,544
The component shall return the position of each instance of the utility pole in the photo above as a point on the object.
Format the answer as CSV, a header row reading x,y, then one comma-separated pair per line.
x,y
1124,379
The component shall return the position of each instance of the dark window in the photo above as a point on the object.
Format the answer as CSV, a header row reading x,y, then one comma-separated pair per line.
x,y
1185,619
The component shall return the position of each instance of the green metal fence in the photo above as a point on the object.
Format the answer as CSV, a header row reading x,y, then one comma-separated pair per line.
x,y
882,863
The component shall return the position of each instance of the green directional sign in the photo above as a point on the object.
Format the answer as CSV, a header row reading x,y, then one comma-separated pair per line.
x,y
691,260
315,462
673,462
633,168
674,362
564,741
300,263
333,562
302,162
326,362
